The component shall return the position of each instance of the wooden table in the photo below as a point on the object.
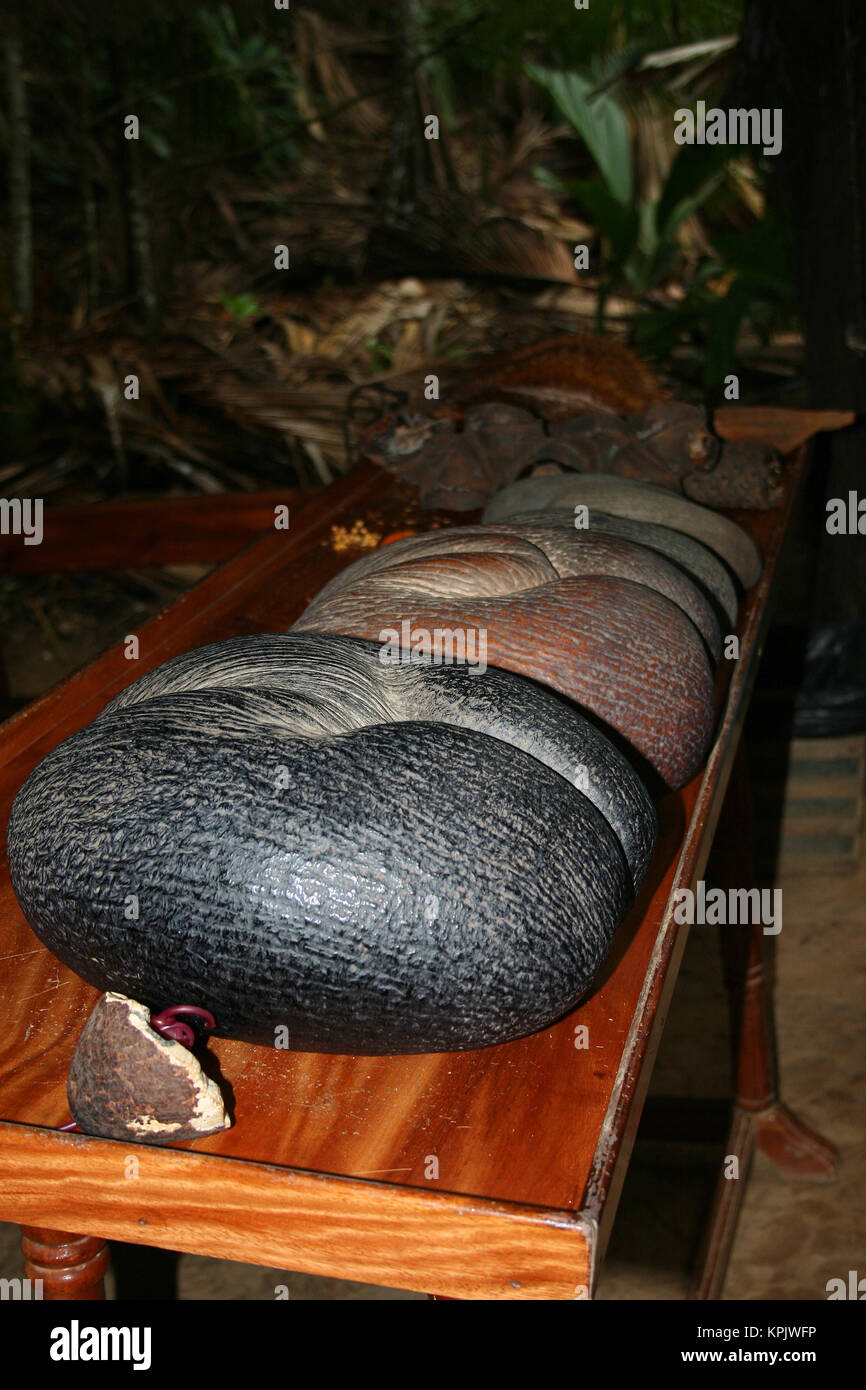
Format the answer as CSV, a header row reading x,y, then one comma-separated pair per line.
x,y
329,1167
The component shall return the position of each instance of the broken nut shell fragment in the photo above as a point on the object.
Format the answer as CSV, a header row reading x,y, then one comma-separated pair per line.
x,y
127,1082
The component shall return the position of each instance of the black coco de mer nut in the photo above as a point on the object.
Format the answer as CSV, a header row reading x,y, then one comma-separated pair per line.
x,y
377,859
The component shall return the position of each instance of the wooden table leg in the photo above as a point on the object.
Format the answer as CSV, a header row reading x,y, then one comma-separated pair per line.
x,y
792,1145
760,1120
70,1267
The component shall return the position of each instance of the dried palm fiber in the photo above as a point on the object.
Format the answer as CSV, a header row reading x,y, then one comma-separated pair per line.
x,y
561,377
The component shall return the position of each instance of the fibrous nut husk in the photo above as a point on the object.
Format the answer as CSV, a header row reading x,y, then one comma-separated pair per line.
x,y
127,1082
458,463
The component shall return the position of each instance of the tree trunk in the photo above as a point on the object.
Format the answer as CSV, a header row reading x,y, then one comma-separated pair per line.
x,y
20,217
17,409
810,60
89,217
141,283
406,193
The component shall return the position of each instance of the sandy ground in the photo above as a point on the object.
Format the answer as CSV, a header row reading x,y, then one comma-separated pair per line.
x,y
792,1236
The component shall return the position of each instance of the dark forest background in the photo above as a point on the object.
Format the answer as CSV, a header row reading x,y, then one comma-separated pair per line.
x,y
304,127
261,127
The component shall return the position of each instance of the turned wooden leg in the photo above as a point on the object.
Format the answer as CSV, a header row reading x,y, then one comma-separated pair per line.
x,y
795,1148
792,1146
760,1119
70,1267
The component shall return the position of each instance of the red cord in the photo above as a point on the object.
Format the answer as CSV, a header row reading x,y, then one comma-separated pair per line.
x,y
167,1026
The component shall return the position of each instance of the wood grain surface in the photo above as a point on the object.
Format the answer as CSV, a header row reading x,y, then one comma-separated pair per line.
x,y
786,430
147,531
375,1232
524,1136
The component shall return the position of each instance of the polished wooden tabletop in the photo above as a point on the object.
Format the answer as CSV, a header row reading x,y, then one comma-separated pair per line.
x,y
492,1173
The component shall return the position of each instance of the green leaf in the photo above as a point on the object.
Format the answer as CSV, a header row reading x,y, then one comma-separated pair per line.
x,y
759,256
381,353
547,179
648,235
616,221
696,168
155,142
600,122
240,306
